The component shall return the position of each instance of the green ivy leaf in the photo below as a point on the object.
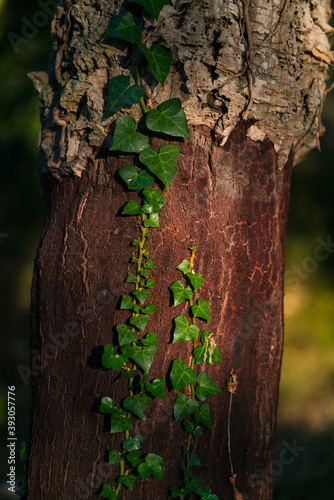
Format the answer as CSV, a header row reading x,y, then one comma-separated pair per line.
x,y
120,95
140,321
141,295
124,27
175,492
181,376
108,355
152,6
188,427
128,480
152,221
127,351
136,404
144,356
193,460
183,331
132,208
106,405
153,201
149,284
108,492
183,406
202,416
196,280
133,458
119,422
206,387
128,374
126,302
125,336
180,293
159,61
126,138
151,467
169,119
149,309
150,339
131,278
156,387
197,431
208,352
149,264
145,273
133,444
201,310
114,457
163,164
184,266
207,495
195,485
135,180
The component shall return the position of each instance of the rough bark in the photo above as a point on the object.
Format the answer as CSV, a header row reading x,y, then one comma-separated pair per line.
x,y
229,199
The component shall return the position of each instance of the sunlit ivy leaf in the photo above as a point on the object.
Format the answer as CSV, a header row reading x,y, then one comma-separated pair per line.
x,y
163,164
141,295
144,356
136,404
108,492
196,280
128,480
121,94
132,208
126,138
133,457
184,266
202,416
145,273
131,278
152,221
201,310
127,351
156,387
169,119
140,321
114,457
193,460
183,406
126,302
183,331
159,61
180,293
133,444
151,467
152,6
149,264
195,485
124,26
149,309
206,387
125,336
181,376
176,492
150,339
106,405
119,422
148,284
208,352
135,180
153,201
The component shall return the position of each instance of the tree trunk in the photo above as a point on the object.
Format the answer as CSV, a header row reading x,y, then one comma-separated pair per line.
x,y
229,199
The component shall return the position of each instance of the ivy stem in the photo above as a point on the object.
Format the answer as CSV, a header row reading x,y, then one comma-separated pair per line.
x,y
142,102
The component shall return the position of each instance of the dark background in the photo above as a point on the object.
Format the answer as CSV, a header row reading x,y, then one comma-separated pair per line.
x,y
306,411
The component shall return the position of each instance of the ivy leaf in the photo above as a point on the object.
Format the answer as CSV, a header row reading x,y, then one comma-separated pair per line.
x,y
195,485
197,431
207,495
156,388
180,293
119,422
148,284
132,208
206,387
108,355
140,321
108,492
144,356
149,264
145,273
193,460
136,404
120,95
184,266
106,405
202,416
128,374
128,480
153,201
181,376
175,492
183,406
126,138
183,331
114,457
152,6
152,221
127,351
126,302
159,61
169,119
149,309
163,164
208,352
201,310
141,295
135,180
196,280
124,27
133,458
131,278
188,427
133,444
151,467
150,339
125,336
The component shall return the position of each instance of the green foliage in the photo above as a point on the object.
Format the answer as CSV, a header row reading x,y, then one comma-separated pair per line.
x,y
124,26
151,338
163,164
183,331
119,422
133,443
196,280
152,6
126,302
153,201
156,388
181,376
184,266
141,295
180,293
201,310
126,138
121,94
125,336
140,321
128,480
208,352
135,180
136,404
108,492
183,406
206,387
144,356
202,416
169,119
114,457
159,61
151,467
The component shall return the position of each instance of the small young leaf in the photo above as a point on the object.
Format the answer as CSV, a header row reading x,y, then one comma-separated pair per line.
x,y
150,339
188,427
151,467
128,480
135,180
140,321
108,355
152,6
131,278
152,221
163,164
133,444
193,460
106,405
153,201
176,493
202,416
181,376
184,266
195,485
149,264
135,243
183,406
201,310
119,422
144,356
207,495
120,95
124,27
169,119
136,404
128,374
108,492
196,280
197,431
134,260
149,284
141,295
183,331
180,293
159,61
133,458
127,351
114,457
149,309
125,336
145,273
206,387
126,302
156,388
126,138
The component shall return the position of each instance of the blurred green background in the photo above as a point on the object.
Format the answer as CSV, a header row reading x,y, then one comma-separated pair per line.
x,y
306,410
